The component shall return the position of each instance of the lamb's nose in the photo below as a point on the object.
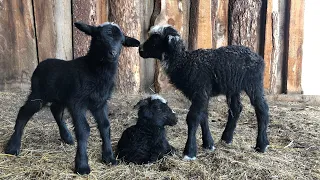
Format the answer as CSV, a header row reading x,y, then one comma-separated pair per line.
x,y
113,53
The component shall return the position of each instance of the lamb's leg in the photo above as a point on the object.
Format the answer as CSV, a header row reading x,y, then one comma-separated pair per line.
x,y
235,108
31,106
101,116
197,112
207,139
262,112
57,112
82,131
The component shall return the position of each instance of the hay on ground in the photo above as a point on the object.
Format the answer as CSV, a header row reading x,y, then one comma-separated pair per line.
x,y
294,152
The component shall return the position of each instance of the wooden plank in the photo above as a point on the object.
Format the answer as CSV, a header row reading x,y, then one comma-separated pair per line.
x,y
244,26
201,24
274,46
219,23
18,55
53,28
295,46
175,13
127,15
93,12
147,66
204,35
268,47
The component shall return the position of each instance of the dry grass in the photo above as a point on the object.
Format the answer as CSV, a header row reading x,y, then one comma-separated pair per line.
x,y
294,152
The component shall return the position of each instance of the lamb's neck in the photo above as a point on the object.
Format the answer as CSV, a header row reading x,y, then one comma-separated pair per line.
x,y
171,60
150,129
99,64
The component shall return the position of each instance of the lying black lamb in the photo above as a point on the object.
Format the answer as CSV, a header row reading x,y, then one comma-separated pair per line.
x,y
146,141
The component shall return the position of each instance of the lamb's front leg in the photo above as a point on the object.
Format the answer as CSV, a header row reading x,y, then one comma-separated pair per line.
x,y
101,116
82,131
196,114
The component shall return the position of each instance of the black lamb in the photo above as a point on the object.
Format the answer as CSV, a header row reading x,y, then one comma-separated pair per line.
x,y
79,85
146,141
204,73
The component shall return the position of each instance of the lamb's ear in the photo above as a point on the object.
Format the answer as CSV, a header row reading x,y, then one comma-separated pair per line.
x,y
173,41
88,29
130,42
142,102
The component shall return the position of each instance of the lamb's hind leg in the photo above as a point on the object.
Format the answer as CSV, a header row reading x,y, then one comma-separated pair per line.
x,y
235,108
262,112
57,111
31,106
207,139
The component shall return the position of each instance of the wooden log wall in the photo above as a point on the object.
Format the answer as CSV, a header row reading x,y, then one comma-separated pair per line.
x,y
272,28
18,52
53,28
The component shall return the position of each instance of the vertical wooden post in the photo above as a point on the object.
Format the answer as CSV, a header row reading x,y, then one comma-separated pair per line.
x,y
127,15
219,23
88,11
53,28
295,46
201,24
147,66
18,53
244,23
274,46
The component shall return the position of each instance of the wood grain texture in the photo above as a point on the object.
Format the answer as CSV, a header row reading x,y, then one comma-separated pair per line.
x,y
201,24
219,23
147,66
204,25
127,15
53,28
175,13
91,12
274,46
296,24
244,23
18,54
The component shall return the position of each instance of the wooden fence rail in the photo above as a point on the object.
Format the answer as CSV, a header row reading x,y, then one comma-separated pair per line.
x,y
33,30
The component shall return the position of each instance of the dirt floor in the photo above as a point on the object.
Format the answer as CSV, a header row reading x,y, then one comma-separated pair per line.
x,y
294,151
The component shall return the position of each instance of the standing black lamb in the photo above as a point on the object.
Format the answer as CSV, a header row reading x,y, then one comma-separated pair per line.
x,y
204,73
146,141
80,84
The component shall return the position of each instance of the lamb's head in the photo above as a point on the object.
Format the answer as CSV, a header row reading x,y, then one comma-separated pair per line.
x,y
162,39
107,39
154,111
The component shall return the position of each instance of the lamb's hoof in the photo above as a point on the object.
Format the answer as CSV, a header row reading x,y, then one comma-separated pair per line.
x,y
110,160
13,149
83,170
210,147
226,143
68,140
187,158
261,149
